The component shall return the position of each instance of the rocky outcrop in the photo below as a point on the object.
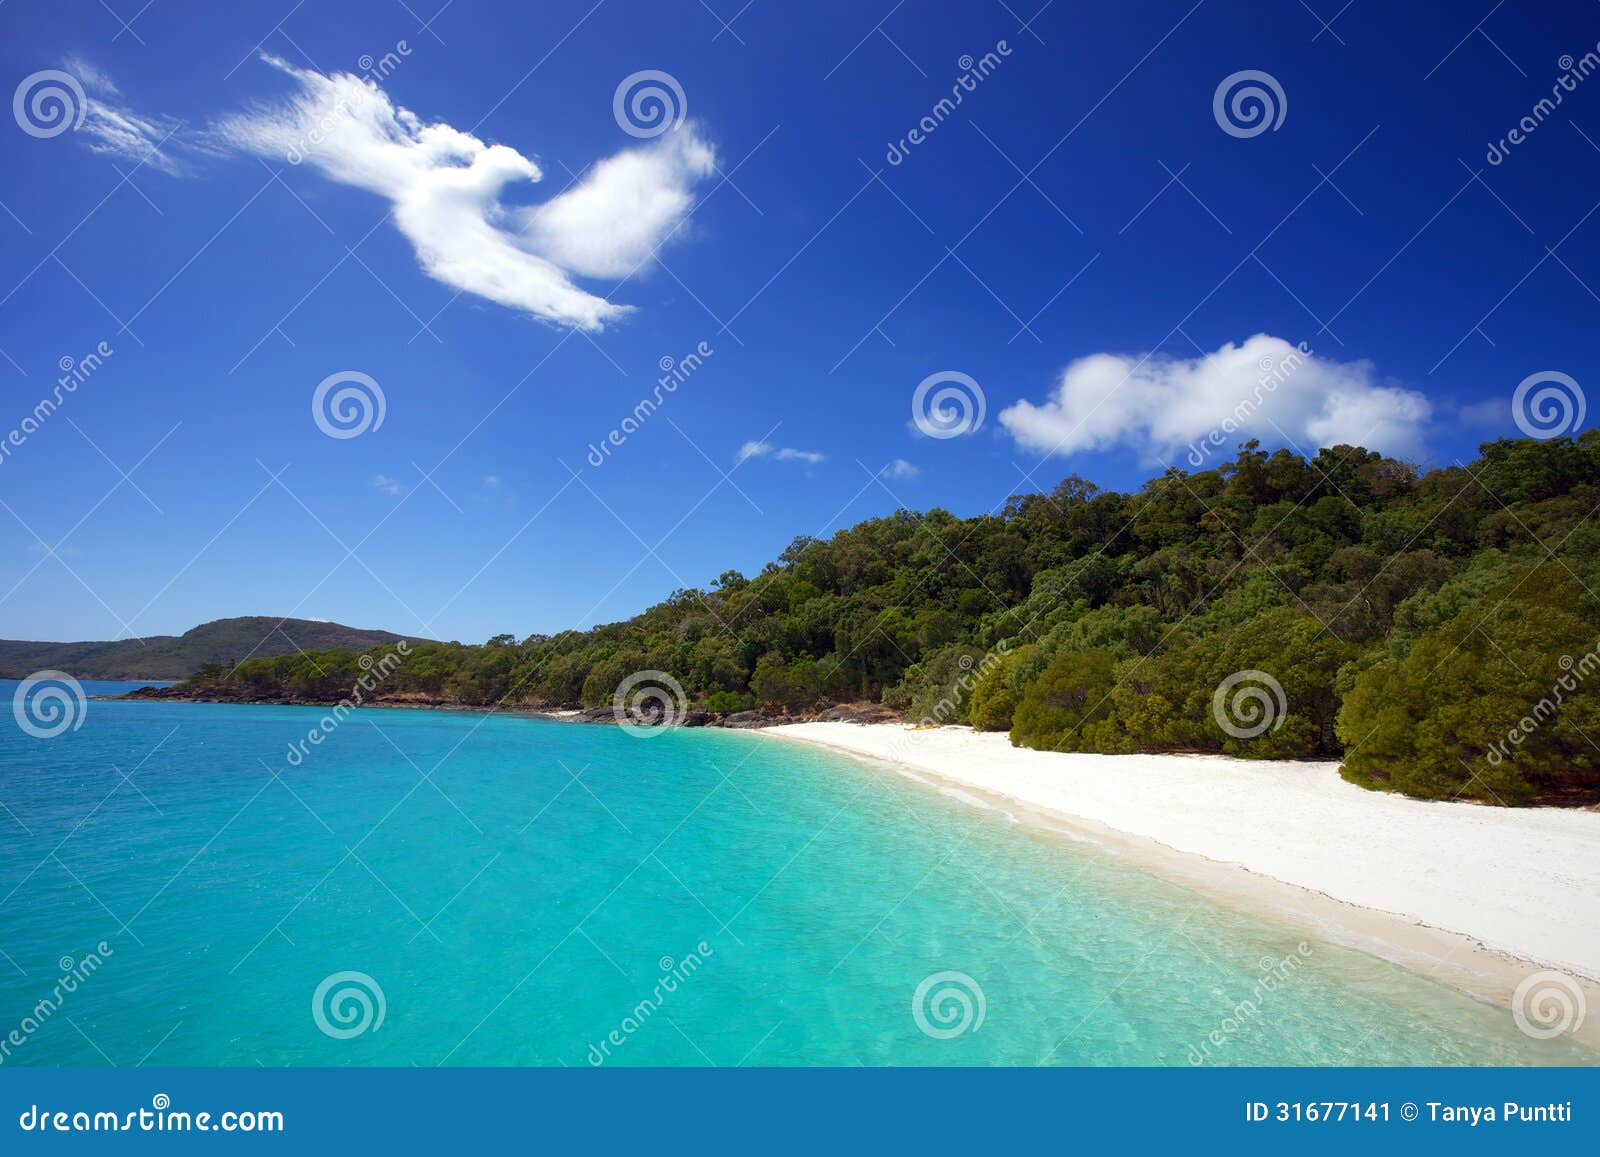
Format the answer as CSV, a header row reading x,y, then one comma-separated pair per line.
x,y
868,713
693,717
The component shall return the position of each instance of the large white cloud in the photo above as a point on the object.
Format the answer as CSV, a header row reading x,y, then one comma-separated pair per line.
x,y
1262,388
446,187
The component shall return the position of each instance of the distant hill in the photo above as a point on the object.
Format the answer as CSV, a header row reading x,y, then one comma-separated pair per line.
x,y
178,656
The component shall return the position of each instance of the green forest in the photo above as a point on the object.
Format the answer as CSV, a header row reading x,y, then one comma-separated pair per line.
x,y
1436,630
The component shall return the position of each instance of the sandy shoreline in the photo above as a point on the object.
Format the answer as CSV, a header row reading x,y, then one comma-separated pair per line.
x,y
1472,896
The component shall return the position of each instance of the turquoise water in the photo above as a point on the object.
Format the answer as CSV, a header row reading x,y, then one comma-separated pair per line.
x,y
512,914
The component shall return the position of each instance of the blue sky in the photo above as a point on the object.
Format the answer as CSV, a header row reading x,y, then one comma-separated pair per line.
x,y
1080,237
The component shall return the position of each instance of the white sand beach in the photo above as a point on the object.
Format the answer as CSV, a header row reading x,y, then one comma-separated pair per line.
x,y
1447,880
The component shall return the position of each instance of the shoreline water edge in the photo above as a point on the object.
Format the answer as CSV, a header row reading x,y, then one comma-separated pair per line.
x,y
1490,901
1482,899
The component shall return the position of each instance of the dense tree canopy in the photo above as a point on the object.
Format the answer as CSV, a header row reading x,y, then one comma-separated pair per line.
x,y
1272,607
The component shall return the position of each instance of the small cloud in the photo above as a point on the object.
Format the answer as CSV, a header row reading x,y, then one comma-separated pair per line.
x,y
111,127
90,76
899,468
492,481
808,456
779,453
387,485
1493,414
1261,388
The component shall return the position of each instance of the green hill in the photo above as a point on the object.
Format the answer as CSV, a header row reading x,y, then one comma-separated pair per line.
x,y
162,657
1434,630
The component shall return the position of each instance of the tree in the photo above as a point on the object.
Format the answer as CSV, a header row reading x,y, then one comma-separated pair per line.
x,y
1499,705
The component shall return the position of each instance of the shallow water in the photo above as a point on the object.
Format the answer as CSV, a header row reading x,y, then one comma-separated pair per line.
x,y
526,892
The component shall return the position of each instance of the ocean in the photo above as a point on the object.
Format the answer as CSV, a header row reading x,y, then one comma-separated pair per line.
x,y
198,884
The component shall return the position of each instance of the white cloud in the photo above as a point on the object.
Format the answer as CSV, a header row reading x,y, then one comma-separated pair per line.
x,y
446,187
808,456
113,128
387,485
491,480
612,220
900,468
1493,414
779,453
1263,388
